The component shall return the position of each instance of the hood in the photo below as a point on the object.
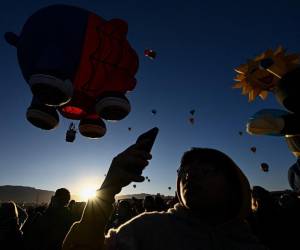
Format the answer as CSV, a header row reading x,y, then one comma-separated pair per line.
x,y
245,192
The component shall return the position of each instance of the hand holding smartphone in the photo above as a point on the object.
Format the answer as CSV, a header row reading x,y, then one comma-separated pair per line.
x,y
128,166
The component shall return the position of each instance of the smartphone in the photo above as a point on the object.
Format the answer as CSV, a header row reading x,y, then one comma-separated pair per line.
x,y
150,136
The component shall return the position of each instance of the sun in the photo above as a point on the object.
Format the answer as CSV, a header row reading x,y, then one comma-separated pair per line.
x,y
87,193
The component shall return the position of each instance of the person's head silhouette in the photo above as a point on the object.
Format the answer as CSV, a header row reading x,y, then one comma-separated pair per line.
x,y
61,197
210,183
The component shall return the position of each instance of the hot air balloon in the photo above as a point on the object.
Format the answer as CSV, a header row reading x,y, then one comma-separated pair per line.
x,y
146,177
153,111
293,142
268,72
129,128
241,133
148,180
192,120
264,167
78,64
278,73
192,112
134,186
169,188
253,149
150,53
71,133
272,122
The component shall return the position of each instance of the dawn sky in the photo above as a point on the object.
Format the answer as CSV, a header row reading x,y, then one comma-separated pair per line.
x,y
198,44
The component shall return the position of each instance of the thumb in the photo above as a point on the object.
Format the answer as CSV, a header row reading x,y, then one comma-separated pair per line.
x,y
138,178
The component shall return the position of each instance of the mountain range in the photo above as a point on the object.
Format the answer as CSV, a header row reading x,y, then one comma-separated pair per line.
x,y
23,194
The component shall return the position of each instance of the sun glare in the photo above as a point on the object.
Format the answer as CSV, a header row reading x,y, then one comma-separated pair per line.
x,y
87,193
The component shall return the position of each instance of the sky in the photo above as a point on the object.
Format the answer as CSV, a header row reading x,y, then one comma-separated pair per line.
x,y
198,45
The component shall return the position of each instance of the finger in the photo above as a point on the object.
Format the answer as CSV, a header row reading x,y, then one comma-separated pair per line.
x,y
134,171
139,178
141,154
140,145
135,178
136,163
130,163
134,153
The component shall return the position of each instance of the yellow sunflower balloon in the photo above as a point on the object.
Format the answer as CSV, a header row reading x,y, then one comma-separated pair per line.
x,y
263,73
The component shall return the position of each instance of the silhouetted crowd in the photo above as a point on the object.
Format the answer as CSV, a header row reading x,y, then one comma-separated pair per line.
x,y
44,226
274,219
210,211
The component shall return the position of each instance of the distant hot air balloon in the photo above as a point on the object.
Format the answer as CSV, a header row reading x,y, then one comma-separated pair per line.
x,y
241,133
148,180
134,186
146,177
192,120
153,111
78,64
150,53
253,149
129,128
192,112
169,188
264,167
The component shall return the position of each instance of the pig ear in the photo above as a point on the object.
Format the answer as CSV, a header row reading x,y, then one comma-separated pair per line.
x,y
11,38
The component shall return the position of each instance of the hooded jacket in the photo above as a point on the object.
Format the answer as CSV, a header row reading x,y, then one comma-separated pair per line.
x,y
179,229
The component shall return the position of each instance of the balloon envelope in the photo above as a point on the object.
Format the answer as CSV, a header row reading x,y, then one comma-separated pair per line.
x,y
83,55
192,112
150,53
192,120
264,167
266,122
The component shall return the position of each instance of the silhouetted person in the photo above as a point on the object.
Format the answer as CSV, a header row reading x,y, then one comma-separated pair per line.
x,y
149,204
290,205
76,209
160,204
137,206
10,233
33,215
171,203
49,230
214,198
294,176
71,204
124,213
267,219
22,215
